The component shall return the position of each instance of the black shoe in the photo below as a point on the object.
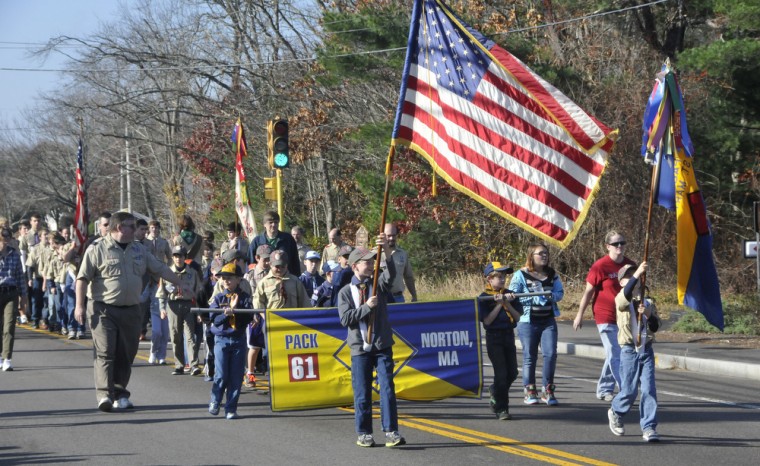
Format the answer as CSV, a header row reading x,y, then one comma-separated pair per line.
x,y
178,371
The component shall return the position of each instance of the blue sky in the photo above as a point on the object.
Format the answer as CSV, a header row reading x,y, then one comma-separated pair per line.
x,y
34,22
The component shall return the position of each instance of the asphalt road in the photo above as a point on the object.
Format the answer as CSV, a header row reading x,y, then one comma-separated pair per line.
x,y
48,415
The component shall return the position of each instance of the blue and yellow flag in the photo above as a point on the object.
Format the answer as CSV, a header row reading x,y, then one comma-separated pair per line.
x,y
666,141
436,354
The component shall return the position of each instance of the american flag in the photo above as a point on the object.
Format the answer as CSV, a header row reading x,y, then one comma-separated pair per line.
x,y
242,204
495,130
80,213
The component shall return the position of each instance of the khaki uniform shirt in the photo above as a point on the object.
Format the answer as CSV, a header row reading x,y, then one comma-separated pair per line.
x,y
404,272
160,248
241,245
189,278
278,293
34,260
115,274
330,253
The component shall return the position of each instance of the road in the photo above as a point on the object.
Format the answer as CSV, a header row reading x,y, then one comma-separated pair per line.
x,y
48,415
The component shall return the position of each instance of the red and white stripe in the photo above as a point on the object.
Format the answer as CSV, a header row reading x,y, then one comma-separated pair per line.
x,y
520,147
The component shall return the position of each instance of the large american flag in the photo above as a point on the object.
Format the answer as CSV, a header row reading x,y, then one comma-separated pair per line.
x,y
495,130
242,204
80,212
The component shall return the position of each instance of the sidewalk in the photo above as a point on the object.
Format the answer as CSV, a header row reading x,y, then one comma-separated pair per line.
x,y
718,360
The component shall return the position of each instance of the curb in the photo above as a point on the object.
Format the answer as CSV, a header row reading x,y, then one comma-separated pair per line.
x,y
671,362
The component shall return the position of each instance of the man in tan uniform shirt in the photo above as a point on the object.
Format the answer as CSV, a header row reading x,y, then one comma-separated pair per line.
x,y
111,277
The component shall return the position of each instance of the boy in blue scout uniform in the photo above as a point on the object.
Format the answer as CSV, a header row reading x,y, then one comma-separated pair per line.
x,y
499,318
229,329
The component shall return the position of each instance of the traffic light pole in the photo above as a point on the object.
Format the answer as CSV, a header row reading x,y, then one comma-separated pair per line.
x,y
278,177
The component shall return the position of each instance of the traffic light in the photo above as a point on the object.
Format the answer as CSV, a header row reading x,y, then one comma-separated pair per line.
x,y
279,151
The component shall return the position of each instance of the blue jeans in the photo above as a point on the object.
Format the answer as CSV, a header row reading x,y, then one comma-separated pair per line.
x,y
637,368
611,368
531,334
500,345
71,301
52,304
60,297
230,354
361,380
159,330
399,298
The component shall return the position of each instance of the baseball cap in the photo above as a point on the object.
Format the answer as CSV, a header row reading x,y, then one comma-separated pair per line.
x,y
345,250
624,270
179,250
492,267
230,270
231,255
264,251
360,254
312,256
331,266
279,258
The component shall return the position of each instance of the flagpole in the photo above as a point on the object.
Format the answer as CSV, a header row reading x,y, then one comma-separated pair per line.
x,y
643,279
386,196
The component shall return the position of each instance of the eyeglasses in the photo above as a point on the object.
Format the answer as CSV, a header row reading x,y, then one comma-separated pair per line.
x,y
617,244
542,253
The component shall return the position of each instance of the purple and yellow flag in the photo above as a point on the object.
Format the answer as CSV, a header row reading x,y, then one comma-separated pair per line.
x,y
666,142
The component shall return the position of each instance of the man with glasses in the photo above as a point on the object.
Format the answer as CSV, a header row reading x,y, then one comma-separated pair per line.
x,y
12,295
602,286
111,277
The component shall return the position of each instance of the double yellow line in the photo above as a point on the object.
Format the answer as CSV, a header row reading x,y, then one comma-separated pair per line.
x,y
494,442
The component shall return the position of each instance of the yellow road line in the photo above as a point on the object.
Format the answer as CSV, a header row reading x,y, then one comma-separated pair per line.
x,y
495,442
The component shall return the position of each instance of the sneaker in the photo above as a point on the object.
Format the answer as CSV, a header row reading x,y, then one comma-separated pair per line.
x,y
7,366
606,396
79,334
72,334
105,404
232,415
208,378
213,408
35,326
531,395
393,439
547,395
195,371
178,371
123,403
152,358
162,362
24,319
365,440
250,380
504,415
492,400
616,424
64,332
650,435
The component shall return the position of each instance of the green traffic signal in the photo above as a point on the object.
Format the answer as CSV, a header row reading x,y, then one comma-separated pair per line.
x,y
280,147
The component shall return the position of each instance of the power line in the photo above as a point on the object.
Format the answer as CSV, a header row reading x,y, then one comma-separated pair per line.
x,y
303,60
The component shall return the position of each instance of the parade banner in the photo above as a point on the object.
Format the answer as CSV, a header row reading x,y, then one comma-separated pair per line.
x,y
436,354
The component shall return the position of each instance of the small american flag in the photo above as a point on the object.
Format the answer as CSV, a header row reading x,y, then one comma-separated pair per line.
x,y
495,130
80,213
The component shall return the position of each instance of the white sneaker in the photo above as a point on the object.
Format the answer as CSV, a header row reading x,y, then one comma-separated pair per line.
x,y
24,319
616,424
123,403
7,365
105,404
152,358
72,334
162,362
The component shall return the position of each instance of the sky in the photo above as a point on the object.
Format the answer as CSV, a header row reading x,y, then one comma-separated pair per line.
x,y
26,23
